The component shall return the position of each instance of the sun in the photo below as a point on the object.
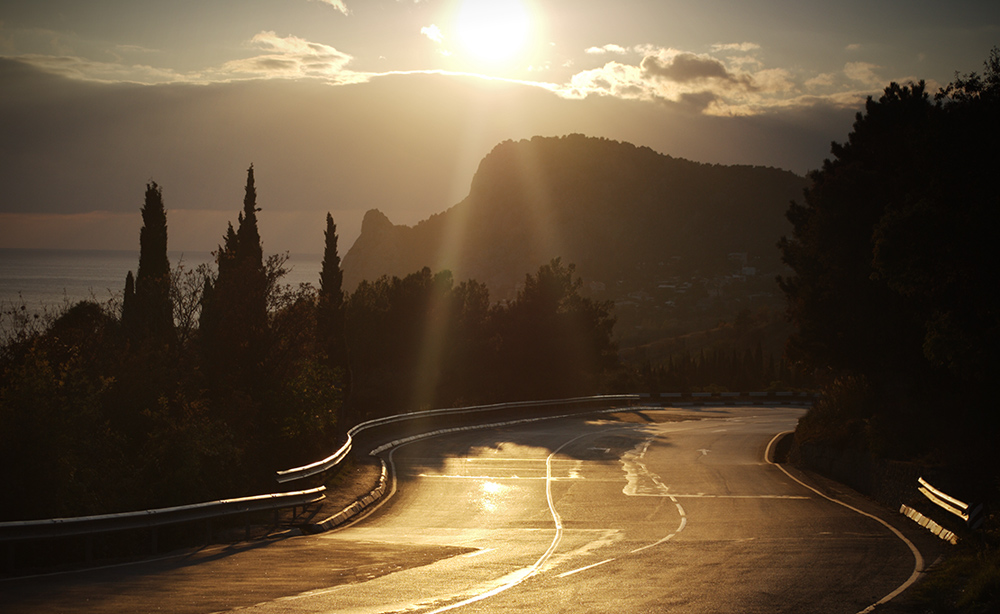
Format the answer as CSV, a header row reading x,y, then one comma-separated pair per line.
x,y
493,30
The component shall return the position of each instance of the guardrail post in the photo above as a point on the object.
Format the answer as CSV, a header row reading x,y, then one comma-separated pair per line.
x,y
153,540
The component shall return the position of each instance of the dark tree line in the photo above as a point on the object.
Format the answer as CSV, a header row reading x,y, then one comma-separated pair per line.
x,y
204,384
723,370
208,380
895,273
421,341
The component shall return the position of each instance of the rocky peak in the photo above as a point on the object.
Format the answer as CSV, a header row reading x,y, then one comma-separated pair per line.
x,y
375,222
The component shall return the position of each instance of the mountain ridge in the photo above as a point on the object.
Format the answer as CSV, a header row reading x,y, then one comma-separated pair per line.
x,y
606,206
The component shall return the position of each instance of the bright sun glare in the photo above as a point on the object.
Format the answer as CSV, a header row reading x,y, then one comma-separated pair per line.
x,y
493,30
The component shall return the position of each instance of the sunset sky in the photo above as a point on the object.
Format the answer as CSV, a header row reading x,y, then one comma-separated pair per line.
x,y
348,105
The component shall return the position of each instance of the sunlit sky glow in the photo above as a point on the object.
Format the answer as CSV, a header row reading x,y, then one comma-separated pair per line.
x,y
345,105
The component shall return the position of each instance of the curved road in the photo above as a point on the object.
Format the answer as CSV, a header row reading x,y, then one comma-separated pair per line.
x,y
634,512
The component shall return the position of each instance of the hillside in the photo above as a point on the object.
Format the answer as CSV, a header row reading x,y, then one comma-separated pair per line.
x,y
615,210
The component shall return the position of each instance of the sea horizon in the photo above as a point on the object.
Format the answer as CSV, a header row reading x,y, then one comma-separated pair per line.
x,y
45,281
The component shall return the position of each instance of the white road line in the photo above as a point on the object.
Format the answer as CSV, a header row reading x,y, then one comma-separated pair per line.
x,y
918,566
548,553
469,459
680,528
496,478
632,488
708,496
570,573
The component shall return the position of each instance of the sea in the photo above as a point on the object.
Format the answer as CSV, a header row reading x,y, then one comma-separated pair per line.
x,y
47,281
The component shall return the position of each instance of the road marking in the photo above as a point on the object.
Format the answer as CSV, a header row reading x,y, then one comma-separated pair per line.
x,y
482,459
496,477
574,475
478,552
918,566
570,573
521,577
635,467
706,496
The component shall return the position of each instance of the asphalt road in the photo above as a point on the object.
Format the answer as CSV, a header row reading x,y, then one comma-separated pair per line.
x,y
636,513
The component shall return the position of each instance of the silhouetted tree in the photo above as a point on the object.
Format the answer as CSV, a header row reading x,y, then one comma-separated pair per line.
x,y
554,342
129,315
330,309
893,261
152,282
469,367
234,308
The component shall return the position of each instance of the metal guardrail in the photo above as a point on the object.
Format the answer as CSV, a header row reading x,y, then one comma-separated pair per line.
x,y
334,459
107,523
693,398
12,532
973,517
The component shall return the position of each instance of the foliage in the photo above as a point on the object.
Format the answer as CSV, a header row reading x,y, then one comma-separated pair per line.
x,y
420,341
553,341
97,419
50,428
152,282
234,307
893,264
100,414
330,312
186,286
395,328
720,370
967,581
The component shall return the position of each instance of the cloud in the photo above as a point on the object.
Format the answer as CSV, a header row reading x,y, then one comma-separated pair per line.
x,y
688,68
706,85
774,80
288,57
863,72
821,80
432,32
291,57
613,79
103,72
337,4
735,47
609,48
134,49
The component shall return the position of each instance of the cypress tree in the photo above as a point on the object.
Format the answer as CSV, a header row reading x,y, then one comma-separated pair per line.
x,y
250,263
234,310
153,308
128,305
248,246
330,311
